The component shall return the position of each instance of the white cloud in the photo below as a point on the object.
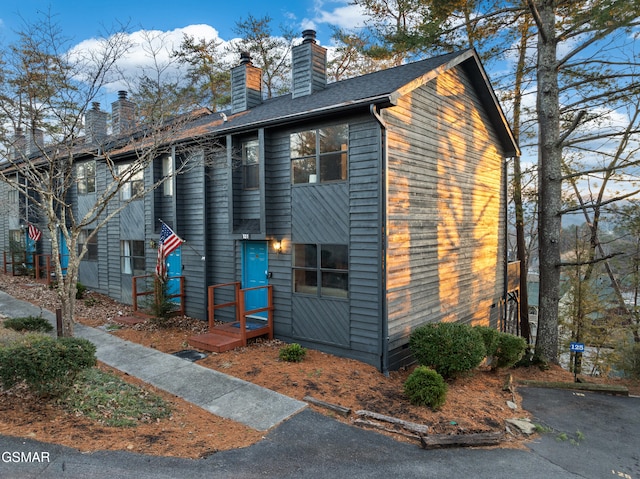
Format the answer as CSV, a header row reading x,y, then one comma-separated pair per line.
x,y
150,52
340,13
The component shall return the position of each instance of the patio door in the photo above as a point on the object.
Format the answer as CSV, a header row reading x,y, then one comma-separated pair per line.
x,y
255,273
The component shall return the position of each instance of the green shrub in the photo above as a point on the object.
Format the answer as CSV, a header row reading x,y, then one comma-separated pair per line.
x,y
449,348
489,338
29,323
425,387
293,353
627,359
509,351
80,290
48,366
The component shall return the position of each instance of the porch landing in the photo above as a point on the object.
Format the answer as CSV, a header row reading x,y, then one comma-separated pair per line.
x,y
229,336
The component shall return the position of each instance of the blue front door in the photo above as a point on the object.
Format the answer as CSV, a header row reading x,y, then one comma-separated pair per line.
x,y
174,268
255,273
64,253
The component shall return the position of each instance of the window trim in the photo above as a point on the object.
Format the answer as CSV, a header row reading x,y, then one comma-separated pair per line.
x,y
317,156
127,258
253,165
127,187
319,290
86,179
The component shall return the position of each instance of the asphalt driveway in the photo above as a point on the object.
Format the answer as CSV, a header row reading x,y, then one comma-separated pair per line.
x,y
310,445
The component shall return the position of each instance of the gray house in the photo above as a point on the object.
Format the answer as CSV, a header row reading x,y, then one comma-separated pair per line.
x,y
349,213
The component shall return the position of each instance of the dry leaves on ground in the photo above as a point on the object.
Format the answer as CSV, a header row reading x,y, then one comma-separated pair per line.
x,y
475,403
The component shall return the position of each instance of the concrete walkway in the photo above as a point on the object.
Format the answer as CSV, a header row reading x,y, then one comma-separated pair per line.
x,y
218,393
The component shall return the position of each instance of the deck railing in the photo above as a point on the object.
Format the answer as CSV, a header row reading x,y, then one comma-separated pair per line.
x,y
137,291
239,304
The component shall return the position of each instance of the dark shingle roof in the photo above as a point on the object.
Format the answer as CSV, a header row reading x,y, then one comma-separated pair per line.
x,y
378,88
370,88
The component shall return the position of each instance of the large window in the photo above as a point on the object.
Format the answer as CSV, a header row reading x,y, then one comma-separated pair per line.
x,y
92,245
251,164
86,177
132,257
321,270
319,155
134,183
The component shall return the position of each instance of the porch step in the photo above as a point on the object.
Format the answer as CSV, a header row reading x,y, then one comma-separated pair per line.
x,y
217,343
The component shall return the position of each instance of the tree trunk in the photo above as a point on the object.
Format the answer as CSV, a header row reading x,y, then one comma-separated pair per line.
x,y
525,331
550,183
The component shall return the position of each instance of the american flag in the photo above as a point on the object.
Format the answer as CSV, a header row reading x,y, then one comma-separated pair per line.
x,y
169,241
34,233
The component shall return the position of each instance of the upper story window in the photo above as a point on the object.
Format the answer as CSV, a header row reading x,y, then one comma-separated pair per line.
x,y
251,164
319,155
86,177
12,197
134,183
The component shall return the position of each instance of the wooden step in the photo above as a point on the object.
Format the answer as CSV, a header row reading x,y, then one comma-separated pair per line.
x,y
217,343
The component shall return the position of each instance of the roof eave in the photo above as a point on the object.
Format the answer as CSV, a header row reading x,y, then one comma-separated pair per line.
x,y
385,100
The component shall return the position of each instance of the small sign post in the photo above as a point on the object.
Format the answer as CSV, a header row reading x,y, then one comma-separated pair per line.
x,y
576,348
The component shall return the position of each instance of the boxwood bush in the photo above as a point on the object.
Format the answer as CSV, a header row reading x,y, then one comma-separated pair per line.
x,y
292,353
490,338
48,366
449,348
509,350
425,387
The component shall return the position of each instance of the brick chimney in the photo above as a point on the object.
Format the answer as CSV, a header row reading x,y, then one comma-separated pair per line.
x,y
246,85
122,114
35,141
309,66
96,124
19,144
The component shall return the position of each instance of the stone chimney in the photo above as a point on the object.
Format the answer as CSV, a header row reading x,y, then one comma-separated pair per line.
x,y
96,124
246,85
35,141
19,144
122,114
309,66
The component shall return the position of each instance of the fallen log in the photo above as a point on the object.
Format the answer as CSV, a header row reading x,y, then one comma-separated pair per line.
x,y
409,426
601,388
434,441
344,411
376,425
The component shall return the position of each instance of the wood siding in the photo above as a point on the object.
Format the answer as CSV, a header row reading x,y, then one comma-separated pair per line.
x,y
445,209
191,226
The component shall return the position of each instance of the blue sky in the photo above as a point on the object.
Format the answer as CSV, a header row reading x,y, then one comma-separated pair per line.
x,y
85,19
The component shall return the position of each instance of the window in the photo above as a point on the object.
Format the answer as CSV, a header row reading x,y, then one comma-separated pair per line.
x,y
251,164
167,171
86,177
92,245
319,155
331,278
12,197
133,180
132,257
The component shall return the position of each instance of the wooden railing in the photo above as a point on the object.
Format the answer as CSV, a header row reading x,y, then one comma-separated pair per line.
x,y
16,258
239,303
137,292
45,273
